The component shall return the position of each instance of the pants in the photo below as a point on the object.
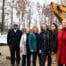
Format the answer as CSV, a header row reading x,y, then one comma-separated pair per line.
x,y
60,64
15,51
43,58
24,60
39,55
34,55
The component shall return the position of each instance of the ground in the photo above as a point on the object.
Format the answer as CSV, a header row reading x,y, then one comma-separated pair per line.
x,y
5,62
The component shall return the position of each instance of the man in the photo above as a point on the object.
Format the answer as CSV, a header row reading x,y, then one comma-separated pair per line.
x,y
13,40
44,45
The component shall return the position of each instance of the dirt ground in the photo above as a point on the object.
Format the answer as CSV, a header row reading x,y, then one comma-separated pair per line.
x,y
4,50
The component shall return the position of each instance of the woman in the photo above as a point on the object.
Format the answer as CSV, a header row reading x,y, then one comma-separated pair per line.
x,y
23,48
33,46
35,31
53,38
62,44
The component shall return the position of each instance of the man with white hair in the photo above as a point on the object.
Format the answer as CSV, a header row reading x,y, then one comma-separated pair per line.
x,y
13,39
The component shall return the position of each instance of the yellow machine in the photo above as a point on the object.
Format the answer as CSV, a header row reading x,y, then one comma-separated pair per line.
x,y
59,10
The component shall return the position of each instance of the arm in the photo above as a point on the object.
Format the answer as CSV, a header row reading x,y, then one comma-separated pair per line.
x,y
21,44
41,43
8,37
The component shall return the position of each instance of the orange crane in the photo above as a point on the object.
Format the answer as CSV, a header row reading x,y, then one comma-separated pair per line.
x,y
58,10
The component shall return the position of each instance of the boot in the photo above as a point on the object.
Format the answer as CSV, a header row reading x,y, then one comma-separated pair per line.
x,y
18,64
12,64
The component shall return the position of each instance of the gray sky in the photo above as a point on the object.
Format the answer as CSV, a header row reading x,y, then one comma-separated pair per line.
x,y
47,1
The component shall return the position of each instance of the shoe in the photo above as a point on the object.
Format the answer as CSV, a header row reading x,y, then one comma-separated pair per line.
x,y
12,64
18,64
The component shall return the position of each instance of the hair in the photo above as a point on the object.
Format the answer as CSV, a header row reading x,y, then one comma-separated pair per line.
x,y
24,30
55,25
35,27
64,19
44,24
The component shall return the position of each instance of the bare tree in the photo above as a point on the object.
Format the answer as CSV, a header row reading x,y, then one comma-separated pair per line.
x,y
21,9
39,9
47,11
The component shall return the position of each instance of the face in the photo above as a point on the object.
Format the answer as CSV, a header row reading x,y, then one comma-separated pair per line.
x,y
15,26
35,30
64,23
27,30
52,27
44,27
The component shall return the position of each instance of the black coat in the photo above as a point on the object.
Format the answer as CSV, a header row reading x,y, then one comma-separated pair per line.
x,y
27,43
38,40
13,38
53,41
44,41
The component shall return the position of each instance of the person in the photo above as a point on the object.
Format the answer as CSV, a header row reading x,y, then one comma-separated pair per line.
x,y
53,38
27,47
23,50
61,53
13,41
32,47
44,45
35,30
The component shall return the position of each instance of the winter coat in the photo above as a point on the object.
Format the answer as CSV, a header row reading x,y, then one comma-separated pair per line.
x,y
27,43
38,41
44,41
53,41
13,38
32,42
62,46
23,44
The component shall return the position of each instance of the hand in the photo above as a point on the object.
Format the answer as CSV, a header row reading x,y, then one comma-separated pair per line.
x,y
31,50
40,51
53,53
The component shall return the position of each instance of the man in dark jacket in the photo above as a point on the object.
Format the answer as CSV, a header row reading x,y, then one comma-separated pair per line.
x,y
13,40
44,45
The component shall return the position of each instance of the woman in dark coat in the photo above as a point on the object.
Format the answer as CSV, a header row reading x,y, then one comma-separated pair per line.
x,y
53,38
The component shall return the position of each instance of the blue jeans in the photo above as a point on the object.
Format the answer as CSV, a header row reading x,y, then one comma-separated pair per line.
x,y
44,54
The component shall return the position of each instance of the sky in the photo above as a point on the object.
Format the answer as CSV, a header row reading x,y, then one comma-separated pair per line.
x,y
47,1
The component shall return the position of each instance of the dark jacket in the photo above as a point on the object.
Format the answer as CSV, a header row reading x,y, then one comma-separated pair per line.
x,y
44,41
27,43
53,41
38,40
13,38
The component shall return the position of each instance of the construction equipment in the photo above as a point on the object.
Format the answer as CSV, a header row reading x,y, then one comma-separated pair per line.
x,y
59,10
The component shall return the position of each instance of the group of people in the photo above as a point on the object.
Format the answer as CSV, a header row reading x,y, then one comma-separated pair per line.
x,y
30,43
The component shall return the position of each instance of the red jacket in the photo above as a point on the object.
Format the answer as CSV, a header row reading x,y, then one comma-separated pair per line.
x,y
62,46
